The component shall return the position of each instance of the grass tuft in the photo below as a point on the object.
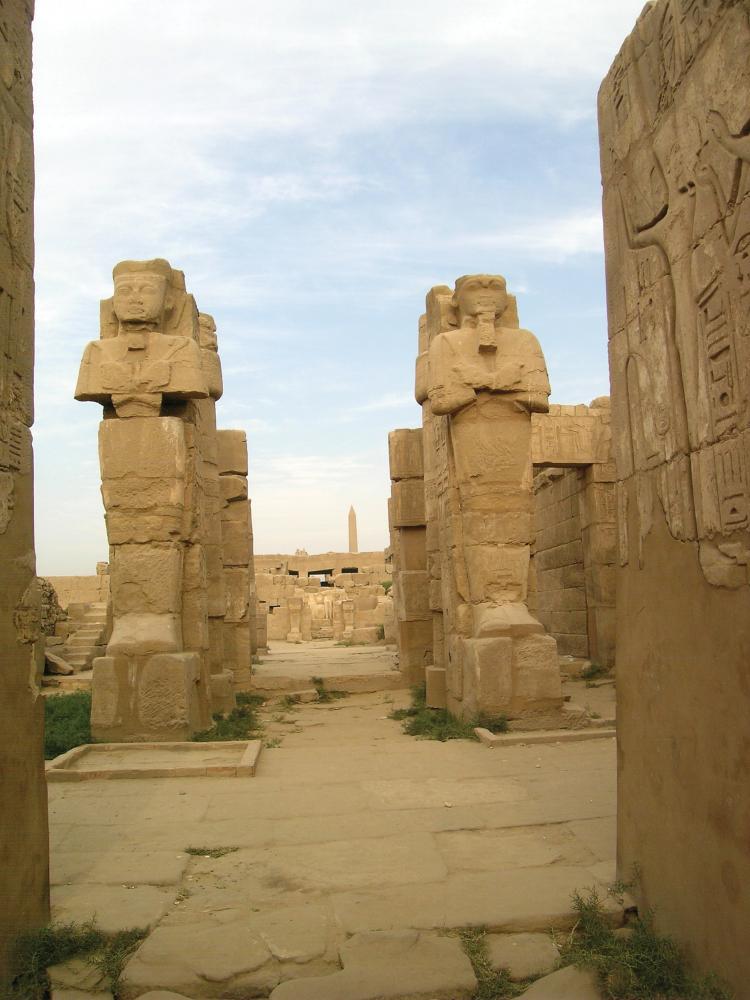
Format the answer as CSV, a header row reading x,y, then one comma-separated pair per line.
x,y
67,722
327,694
642,966
241,724
210,852
593,671
438,723
118,949
36,951
493,985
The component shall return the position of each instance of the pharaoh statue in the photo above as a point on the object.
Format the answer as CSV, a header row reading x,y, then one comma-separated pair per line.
x,y
485,377
146,370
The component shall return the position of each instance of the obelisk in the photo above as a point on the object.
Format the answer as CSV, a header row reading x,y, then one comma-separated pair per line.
x,y
353,547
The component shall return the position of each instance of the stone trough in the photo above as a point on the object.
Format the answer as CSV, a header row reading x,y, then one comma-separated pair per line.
x,y
230,759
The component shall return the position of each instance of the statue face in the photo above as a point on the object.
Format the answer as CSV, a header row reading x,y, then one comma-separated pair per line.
x,y
140,297
482,294
207,332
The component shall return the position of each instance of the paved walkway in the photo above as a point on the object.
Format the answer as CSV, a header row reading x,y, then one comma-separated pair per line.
x,y
354,844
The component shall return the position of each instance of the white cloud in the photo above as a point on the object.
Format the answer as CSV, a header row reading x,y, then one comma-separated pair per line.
x,y
314,166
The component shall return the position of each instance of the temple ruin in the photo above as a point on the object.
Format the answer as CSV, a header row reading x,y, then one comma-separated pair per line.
x,y
524,536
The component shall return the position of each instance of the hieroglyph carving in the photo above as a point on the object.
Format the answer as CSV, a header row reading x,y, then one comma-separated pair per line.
x,y
676,170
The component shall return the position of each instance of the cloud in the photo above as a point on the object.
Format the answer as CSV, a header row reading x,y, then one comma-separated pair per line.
x,y
314,167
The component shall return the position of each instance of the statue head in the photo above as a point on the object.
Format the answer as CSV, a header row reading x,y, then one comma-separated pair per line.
x,y
141,290
208,339
479,294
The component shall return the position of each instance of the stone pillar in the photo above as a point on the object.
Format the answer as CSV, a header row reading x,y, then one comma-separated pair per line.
x,y
221,681
675,157
479,379
146,371
409,544
24,882
353,546
237,556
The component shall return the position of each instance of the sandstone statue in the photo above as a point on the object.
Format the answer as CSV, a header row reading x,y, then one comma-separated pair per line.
x,y
147,371
484,377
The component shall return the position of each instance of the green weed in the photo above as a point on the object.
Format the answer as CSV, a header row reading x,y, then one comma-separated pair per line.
x,y
241,724
593,671
327,694
118,949
67,722
439,724
290,701
386,585
36,951
493,985
642,966
210,852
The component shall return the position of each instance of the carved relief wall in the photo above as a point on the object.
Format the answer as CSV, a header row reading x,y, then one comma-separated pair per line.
x,y
23,843
674,116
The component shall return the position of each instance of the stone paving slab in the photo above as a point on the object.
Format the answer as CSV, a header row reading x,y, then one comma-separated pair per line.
x,y
114,908
350,825
400,965
144,868
518,900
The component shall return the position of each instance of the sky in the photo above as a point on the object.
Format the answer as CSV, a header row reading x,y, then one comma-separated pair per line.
x,y
314,167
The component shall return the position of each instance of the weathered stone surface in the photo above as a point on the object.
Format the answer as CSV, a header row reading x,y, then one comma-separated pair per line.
x,y
185,957
378,966
23,842
522,955
115,908
565,984
674,159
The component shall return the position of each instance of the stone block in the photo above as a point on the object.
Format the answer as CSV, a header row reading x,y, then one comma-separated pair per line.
x,y
408,503
436,687
411,543
523,956
536,673
232,452
232,487
412,595
405,454
237,590
488,674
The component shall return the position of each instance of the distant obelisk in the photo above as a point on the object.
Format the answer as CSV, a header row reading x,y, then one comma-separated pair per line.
x,y
353,547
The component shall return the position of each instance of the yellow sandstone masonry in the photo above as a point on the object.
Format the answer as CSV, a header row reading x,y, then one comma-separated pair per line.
x,y
674,115
479,379
177,513
23,800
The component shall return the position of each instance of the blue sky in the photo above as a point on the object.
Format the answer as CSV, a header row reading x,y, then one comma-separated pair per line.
x,y
314,166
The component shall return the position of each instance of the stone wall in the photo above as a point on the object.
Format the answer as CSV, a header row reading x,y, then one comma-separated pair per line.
x,y
557,588
81,589
674,113
24,883
336,562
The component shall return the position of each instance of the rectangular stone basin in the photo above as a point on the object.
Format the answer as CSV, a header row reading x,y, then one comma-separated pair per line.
x,y
231,759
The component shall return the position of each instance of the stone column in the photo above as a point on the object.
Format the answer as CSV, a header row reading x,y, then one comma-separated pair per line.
x,y
408,539
146,371
221,681
24,886
482,377
675,158
237,556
